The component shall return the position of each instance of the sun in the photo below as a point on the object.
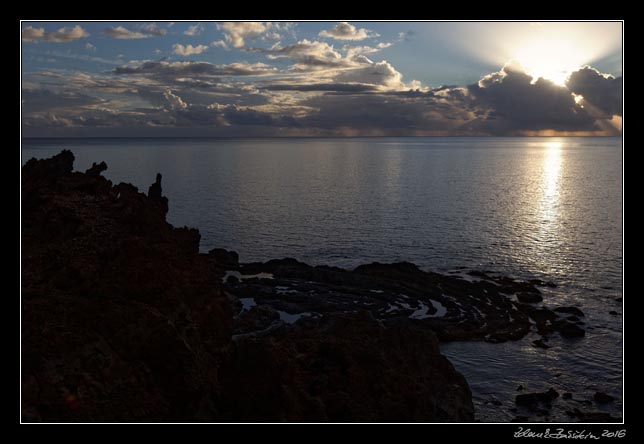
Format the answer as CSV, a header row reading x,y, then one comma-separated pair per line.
x,y
549,58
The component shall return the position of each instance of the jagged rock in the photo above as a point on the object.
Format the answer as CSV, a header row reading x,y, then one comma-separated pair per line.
x,y
122,319
155,194
96,169
49,169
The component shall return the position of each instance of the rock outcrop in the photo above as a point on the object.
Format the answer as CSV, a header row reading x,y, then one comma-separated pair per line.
x,y
455,308
123,320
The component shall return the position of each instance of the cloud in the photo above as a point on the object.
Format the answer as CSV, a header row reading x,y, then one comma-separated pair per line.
x,y
324,64
31,34
38,100
346,31
187,50
119,32
405,36
353,51
154,29
380,73
599,90
173,101
90,47
510,101
62,35
308,55
322,91
180,69
332,87
193,30
219,44
236,33
271,36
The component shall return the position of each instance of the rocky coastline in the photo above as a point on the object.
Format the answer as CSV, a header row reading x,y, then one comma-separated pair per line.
x,y
124,320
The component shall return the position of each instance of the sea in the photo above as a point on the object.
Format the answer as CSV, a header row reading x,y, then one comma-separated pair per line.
x,y
546,208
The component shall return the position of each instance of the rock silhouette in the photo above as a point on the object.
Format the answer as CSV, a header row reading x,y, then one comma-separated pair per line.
x,y
123,320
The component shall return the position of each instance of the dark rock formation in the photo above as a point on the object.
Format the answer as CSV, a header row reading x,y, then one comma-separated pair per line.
x,y
532,399
540,344
155,194
124,320
224,258
569,310
602,397
346,368
529,298
397,294
570,330
96,169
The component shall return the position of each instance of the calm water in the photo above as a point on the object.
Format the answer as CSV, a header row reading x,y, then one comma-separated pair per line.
x,y
527,207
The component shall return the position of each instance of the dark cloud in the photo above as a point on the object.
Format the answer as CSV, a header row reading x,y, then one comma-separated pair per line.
x,y
334,87
385,114
179,69
39,100
600,90
514,103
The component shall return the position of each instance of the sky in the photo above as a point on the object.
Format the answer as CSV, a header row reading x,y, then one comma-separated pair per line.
x,y
320,79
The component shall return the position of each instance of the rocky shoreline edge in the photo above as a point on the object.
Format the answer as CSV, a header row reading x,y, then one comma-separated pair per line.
x,y
123,320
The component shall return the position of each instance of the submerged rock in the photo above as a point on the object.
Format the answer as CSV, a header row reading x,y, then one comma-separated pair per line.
x,y
603,398
569,310
539,343
532,399
570,330
400,294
